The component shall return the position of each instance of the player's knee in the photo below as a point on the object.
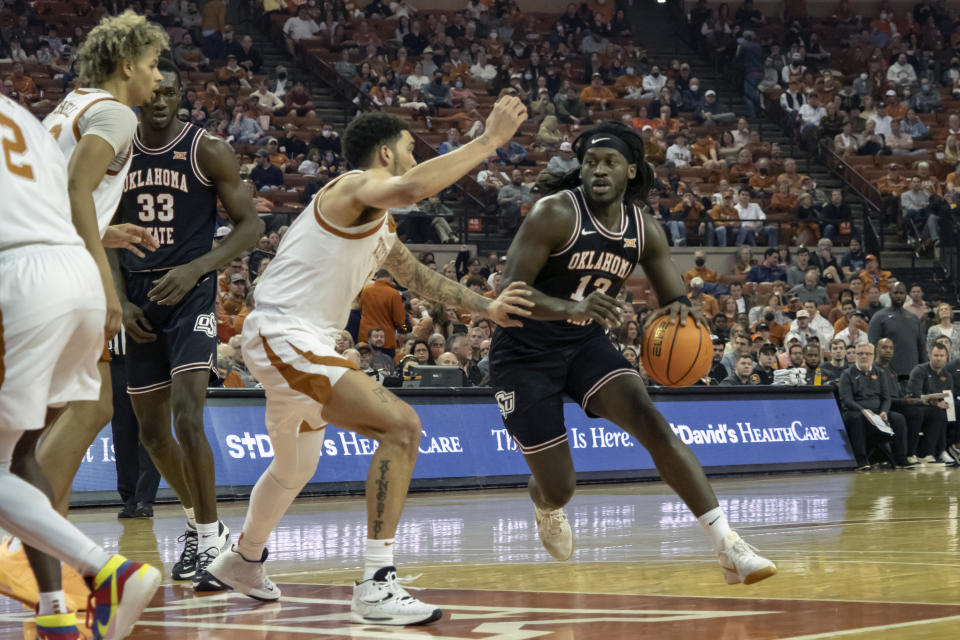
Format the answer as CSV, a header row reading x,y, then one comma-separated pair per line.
x,y
189,430
404,431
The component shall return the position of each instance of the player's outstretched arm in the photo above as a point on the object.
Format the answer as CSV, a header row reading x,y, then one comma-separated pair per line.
x,y
218,162
380,190
544,230
412,274
664,276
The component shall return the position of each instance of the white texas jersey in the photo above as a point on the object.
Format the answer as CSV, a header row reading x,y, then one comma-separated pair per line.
x,y
320,268
34,206
76,115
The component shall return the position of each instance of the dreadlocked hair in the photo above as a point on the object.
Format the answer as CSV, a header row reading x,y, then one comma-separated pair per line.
x,y
637,188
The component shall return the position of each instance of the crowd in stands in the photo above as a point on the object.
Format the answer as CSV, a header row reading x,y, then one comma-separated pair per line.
x,y
798,306
878,84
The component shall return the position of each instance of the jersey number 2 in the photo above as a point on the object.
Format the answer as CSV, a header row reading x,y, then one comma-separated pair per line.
x,y
149,205
16,146
600,284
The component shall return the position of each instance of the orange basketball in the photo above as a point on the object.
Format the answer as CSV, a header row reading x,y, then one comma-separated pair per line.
x,y
676,356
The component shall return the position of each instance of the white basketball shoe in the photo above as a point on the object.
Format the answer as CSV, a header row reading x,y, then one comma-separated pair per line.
x,y
232,570
741,563
555,533
382,600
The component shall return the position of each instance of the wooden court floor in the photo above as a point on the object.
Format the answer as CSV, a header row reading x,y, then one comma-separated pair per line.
x,y
874,555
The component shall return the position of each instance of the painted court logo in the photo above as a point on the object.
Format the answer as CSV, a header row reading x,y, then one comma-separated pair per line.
x,y
206,323
506,402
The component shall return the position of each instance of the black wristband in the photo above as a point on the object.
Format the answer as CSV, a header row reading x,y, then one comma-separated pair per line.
x,y
684,300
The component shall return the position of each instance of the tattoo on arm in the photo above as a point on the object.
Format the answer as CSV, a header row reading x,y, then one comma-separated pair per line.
x,y
415,276
383,485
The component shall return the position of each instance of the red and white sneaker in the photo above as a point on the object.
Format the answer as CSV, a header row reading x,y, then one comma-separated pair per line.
x,y
58,626
120,592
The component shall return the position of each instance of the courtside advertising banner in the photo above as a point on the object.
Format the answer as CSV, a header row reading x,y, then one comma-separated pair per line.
x,y
464,443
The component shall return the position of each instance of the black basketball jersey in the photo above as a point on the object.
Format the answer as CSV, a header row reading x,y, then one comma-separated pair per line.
x,y
594,257
166,192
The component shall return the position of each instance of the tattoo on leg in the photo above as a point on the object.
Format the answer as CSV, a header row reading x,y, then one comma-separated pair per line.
x,y
382,486
383,394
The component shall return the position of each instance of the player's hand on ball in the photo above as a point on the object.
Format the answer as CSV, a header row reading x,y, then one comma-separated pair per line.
x,y
128,236
598,307
678,313
514,300
507,116
135,322
175,284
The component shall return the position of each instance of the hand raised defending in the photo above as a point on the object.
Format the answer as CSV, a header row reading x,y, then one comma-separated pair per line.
x,y
507,116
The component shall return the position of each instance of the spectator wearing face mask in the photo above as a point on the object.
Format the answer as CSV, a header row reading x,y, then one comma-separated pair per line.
x,y
692,96
927,100
700,270
653,82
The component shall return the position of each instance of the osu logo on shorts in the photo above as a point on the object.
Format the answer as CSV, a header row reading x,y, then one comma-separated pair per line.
x,y
506,402
206,323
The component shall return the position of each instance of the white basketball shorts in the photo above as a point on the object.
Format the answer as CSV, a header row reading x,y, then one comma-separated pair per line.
x,y
52,313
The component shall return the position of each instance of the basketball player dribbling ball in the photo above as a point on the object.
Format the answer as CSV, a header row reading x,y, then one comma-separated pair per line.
x,y
577,247
93,127
303,301
168,297
53,275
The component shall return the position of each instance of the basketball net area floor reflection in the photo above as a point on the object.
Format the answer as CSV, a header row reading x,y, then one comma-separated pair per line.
x,y
860,556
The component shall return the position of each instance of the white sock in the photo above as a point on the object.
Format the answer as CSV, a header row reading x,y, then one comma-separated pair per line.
x,y
52,602
208,536
190,517
379,555
714,522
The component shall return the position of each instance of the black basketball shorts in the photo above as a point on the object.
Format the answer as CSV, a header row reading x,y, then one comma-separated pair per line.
x,y
186,334
530,383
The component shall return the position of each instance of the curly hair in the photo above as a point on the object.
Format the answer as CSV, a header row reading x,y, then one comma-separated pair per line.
x,y
116,38
366,133
637,188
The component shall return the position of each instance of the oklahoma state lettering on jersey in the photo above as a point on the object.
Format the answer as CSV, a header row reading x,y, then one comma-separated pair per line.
x,y
593,258
156,177
166,192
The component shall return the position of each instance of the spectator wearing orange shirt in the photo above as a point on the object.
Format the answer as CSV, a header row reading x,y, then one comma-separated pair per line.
x,y
891,187
895,109
382,306
596,95
744,168
872,274
23,84
232,70
782,201
762,180
671,125
701,271
707,303
231,305
724,216
791,174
